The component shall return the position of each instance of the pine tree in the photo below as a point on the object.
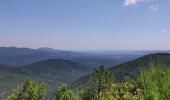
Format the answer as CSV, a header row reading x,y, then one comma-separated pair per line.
x,y
87,94
64,93
101,80
31,91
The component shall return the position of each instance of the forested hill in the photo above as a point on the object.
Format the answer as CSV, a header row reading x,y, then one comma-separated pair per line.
x,y
131,68
54,72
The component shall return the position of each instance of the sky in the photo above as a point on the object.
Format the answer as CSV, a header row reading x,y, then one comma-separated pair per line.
x,y
86,24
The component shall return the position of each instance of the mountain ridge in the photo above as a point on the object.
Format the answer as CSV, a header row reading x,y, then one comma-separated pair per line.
x,y
129,69
13,57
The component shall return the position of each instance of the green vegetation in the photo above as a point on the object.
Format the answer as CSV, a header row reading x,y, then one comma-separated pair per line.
x,y
31,90
101,80
103,87
153,83
130,69
138,79
64,93
53,72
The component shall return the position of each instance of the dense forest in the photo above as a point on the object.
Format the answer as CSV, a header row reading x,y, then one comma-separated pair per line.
x,y
152,83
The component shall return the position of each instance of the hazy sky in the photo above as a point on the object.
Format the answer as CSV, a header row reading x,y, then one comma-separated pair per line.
x,y
86,24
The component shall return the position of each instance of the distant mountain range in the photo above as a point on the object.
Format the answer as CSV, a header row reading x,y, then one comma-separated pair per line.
x,y
131,68
13,56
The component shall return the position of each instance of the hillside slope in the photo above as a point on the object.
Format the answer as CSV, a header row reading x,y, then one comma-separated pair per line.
x,y
130,69
8,80
53,72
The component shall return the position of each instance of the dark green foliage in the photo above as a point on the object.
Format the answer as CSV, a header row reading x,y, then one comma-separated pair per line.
x,y
101,79
64,93
87,94
103,87
31,90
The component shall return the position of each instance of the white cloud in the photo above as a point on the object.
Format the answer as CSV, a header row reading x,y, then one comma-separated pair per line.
x,y
164,30
135,2
154,7
130,2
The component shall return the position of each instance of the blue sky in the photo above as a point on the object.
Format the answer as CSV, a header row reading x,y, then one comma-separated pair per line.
x,y
86,24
